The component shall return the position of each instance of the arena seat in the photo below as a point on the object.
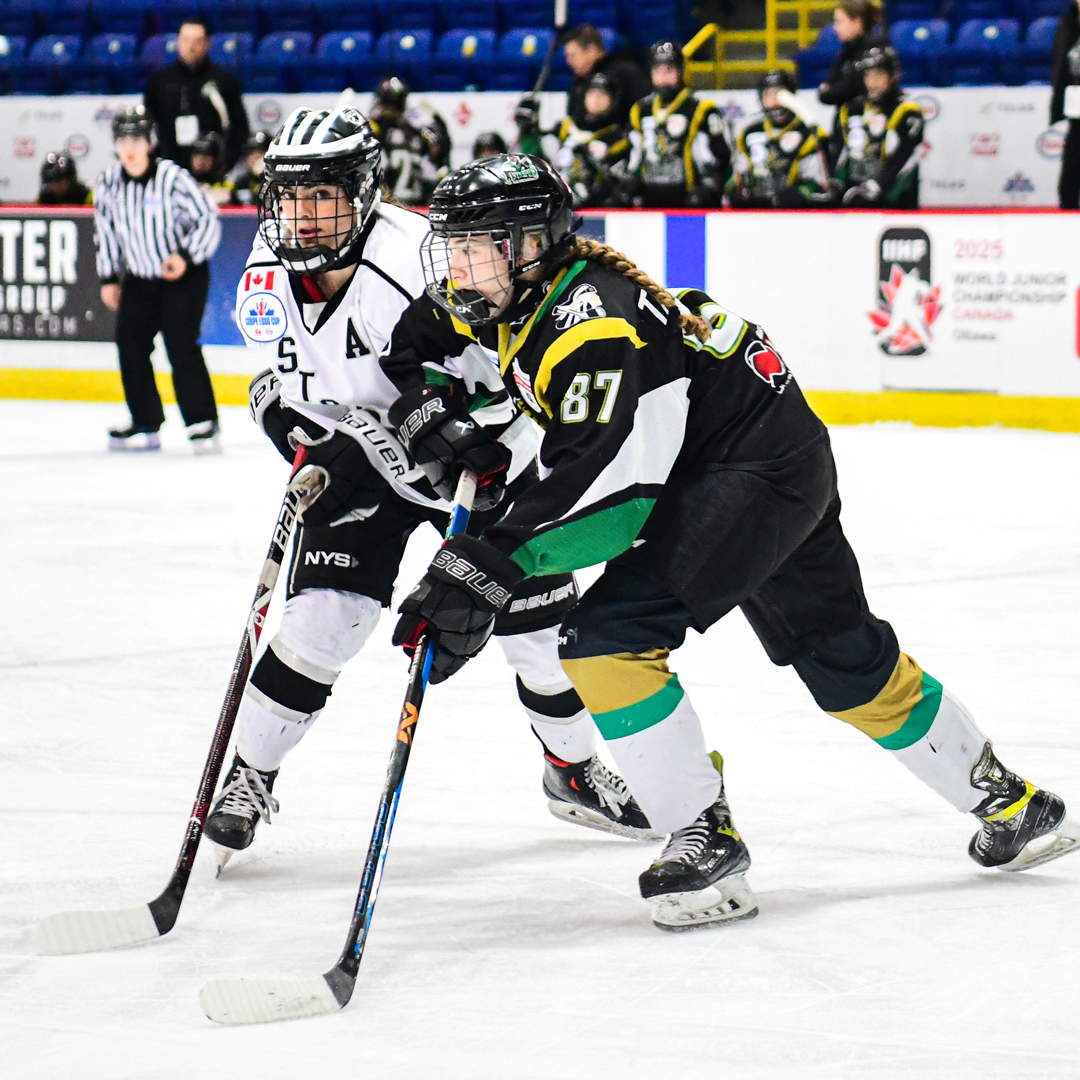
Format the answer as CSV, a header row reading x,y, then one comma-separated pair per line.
x,y
1028,11
159,50
518,58
595,12
912,11
472,15
44,69
517,13
651,20
409,14
814,63
340,59
920,45
237,16
12,50
106,66
985,51
232,49
1037,49
273,67
285,14
120,16
17,18
405,53
461,58
170,14
65,16
348,15
963,11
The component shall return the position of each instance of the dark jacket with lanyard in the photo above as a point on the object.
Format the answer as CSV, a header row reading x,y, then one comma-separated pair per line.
x,y
779,166
188,102
678,153
630,409
875,145
844,81
592,162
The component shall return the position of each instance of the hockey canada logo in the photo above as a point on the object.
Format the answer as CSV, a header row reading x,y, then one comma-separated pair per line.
x,y
908,304
764,361
262,318
584,303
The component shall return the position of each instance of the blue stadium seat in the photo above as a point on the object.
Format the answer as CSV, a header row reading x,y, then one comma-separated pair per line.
x,y
159,50
111,49
920,44
350,15
1035,53
814,63
341,59
65,16
12,50
232,49
518,59
963,11
652,20
472,15
1027,11
17,18
405,53
107,66
285,48
462,58
236,16
170,14
985,51
596,12
120,16
911,10
44,69
55,49
408,14
286,14
517,13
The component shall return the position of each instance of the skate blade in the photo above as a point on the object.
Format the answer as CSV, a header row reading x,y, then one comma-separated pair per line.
x,y
201,447
137,444
591,819
222,855
729,900
1062,841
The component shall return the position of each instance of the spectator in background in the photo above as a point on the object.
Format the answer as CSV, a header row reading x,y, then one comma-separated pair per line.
x,y
247,176
194,96
60,184
1065,103
858,25
488,144
587,56
207,152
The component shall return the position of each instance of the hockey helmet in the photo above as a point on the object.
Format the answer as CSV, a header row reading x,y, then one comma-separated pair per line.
x,y
209,144
314,148
488,144
666,52
392,93
257,140
133,121
500,199
880,58
778,79
57,167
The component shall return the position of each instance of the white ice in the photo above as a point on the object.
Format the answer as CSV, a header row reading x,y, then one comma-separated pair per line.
x,y
507,944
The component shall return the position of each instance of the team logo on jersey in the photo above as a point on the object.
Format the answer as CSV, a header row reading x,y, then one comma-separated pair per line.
x,y
262,317
255,279
908,304
764,361
584,303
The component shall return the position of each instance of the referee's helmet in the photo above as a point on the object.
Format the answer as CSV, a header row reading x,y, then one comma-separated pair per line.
x,y
133,120
314,148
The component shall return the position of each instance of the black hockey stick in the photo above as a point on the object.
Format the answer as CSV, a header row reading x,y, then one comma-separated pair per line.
x,y
258,1001
92,931
549,59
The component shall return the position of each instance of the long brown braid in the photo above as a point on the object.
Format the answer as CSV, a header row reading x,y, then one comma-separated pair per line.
x,y
594,251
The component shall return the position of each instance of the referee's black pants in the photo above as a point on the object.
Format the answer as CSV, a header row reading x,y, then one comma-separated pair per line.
x,y
1069,180
149,305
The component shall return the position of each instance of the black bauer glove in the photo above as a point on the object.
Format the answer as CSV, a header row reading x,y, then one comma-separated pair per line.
x,y
467,584
443,440
355,488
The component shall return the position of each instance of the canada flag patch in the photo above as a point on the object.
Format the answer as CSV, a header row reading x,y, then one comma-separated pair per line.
x,y
764,361
256,279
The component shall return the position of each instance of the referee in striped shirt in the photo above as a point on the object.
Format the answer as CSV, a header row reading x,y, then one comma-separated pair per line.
x,y
155,231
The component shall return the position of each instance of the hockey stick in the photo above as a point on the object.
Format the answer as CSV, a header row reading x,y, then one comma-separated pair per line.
x,y
258,1001
91,931
549,59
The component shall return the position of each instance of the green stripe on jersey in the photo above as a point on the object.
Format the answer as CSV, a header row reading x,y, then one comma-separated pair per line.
x,y
919,719
585,542
619,723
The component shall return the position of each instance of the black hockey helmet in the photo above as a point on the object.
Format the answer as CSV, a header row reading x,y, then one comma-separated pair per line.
x,y
133,121
488,144
880,58
666,52
258,140
778,79
57,167
500,198
316,147
392,93
211,144
527,113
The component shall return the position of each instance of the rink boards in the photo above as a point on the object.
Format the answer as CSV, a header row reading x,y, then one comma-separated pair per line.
x,y
940,317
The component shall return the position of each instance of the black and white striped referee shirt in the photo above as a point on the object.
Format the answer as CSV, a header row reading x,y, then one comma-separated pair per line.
x,y
139,222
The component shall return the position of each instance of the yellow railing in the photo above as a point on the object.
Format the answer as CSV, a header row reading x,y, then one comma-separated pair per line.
x,y
771,38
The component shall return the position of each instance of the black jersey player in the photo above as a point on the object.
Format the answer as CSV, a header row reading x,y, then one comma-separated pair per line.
x,y
679,449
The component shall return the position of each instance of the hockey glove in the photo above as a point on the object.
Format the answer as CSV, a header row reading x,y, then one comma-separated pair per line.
x,y
467,584
275,419
443,440
354,489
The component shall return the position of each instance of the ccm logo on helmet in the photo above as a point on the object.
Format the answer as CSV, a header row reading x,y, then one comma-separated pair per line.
x,y
530,206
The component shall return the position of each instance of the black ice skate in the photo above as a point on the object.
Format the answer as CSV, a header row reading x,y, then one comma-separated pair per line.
x,y
134,438
699,878
245,797
590,794
205,437
1023,826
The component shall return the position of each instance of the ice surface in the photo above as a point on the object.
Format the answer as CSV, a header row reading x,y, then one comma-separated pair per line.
x,y
507,944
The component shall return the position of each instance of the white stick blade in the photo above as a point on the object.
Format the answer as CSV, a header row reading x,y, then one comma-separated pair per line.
x,y
93,931
261,1001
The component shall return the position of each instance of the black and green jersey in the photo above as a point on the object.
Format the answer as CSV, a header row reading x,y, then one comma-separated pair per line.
x,y
626,402
879,141
779,165
591,162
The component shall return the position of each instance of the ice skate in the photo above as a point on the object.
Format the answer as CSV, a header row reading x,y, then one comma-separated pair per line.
x,y
699,878
244,799
205,437
1023,826
134,438
590,794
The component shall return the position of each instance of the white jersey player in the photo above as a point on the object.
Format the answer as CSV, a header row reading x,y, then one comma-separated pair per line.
x,y
332,269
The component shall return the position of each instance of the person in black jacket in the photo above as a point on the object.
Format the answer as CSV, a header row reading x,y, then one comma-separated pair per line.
x,y
194,96
586,56
1065,103
858,26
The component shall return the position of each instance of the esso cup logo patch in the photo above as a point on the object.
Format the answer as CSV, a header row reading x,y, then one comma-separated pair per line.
x,y
262,317
764,361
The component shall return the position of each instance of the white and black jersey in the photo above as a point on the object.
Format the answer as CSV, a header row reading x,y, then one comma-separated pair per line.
x,y
326,352
140,221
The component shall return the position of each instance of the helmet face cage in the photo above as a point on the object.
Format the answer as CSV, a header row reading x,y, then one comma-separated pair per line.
x,y
488,257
